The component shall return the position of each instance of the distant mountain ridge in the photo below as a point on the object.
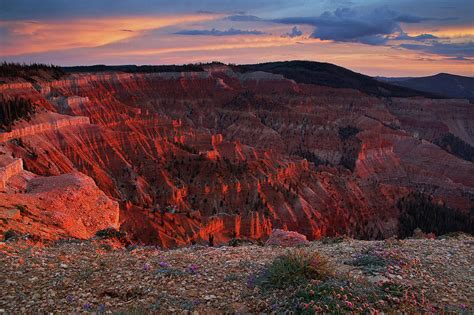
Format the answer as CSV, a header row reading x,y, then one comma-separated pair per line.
x,y
327,74
442,84
308,72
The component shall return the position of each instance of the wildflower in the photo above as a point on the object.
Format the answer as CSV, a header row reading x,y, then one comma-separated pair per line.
x,y
146,267
102,308
69,299
317,308
251,281
349,304
87,306
192,268
163,264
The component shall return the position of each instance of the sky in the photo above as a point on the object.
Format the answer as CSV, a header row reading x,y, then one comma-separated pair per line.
x,y
374,37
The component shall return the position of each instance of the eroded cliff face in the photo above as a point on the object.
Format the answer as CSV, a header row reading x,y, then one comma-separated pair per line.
x,y
236,155
53,207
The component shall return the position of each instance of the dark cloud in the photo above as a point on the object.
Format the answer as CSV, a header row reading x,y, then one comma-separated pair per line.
x,y
205,12
421,37
50,9
214,32
295,32
350,25
408,18
457,50
243,18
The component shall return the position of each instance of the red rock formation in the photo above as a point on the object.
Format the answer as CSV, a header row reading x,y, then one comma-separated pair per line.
x,y
68,205
9,167
192,154
286,239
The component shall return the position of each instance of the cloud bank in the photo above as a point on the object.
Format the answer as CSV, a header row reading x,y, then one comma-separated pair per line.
x,y
214,32
350,25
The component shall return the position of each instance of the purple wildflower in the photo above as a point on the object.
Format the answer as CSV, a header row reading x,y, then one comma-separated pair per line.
x,y
87,306
146,267
192,268
69,298
163,264
251,281
102,308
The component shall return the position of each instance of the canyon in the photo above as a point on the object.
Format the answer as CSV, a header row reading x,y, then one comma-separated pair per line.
x,y
171,158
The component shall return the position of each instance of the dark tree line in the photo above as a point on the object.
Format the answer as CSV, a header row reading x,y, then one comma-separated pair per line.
x,y
12,110
456,146
310,156
27,71
418,210
197,67
350,146
347,132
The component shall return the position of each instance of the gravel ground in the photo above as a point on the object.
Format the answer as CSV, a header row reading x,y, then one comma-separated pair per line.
x,y
78,276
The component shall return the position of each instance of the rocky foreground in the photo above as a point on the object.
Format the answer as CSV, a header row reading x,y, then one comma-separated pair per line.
x,y
96,276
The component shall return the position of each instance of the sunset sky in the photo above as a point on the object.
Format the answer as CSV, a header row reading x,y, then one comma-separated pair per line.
x,y
375,37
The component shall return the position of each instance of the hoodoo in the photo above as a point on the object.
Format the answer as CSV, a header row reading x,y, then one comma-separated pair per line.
x,y
184,157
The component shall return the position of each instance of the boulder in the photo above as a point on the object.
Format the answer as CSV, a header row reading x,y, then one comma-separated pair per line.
x,y
286,239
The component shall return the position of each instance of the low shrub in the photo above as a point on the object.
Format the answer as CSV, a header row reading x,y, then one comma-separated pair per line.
x,y
333,240
11,235
22,208
111,233
236,242
341,296
370,262
294,268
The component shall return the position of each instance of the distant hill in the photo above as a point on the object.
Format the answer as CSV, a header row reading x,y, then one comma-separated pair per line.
x,y
443,84
309,72
328,74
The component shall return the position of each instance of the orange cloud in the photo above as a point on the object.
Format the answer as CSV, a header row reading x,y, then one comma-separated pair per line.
x,y
236,42
34,37
445,31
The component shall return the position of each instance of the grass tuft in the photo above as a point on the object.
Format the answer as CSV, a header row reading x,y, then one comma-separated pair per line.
x,y
296,267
